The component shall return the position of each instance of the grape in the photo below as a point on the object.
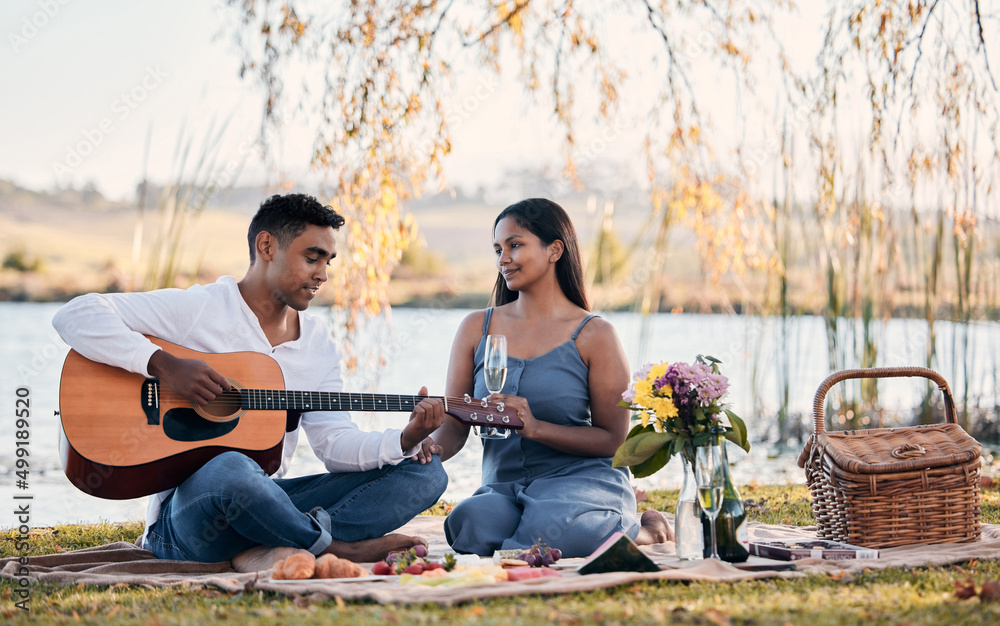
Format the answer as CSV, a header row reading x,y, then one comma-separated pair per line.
x,y
420,550
393,557
541,555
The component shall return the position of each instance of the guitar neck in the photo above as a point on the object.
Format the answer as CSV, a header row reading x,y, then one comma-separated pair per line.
x,y
467,410
271,399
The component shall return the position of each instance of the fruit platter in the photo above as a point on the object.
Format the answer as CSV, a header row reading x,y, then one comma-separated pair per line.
x,y
414,567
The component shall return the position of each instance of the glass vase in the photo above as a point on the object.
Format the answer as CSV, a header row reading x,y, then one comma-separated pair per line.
x,y
688,534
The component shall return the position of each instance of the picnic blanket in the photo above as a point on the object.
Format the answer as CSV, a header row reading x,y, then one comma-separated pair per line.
x,y
125,564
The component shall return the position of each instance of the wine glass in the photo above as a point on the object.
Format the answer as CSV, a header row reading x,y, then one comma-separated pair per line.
x,y
709,473
495,373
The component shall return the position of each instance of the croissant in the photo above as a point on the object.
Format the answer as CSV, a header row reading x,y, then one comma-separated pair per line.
x,y
298,566
332,566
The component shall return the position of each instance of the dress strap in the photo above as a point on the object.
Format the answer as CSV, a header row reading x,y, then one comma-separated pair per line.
x,y
486,321
582,324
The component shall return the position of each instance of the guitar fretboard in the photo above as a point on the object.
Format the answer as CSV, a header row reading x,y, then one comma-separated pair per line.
x,y
269,400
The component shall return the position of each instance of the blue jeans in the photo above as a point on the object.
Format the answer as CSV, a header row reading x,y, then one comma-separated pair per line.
x,y
230,505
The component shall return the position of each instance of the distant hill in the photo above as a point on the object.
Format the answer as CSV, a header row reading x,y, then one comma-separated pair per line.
x,y
76,240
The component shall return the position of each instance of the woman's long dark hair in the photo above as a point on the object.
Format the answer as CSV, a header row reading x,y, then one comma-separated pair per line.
x,y
548,221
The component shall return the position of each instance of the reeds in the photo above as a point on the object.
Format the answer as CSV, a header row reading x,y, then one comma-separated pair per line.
x,y
183,198
872,255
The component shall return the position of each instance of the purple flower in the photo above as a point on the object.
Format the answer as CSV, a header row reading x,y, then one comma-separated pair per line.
x,y
712,388
693,384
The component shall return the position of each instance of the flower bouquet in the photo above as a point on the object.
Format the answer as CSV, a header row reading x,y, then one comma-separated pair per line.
x,y
677,405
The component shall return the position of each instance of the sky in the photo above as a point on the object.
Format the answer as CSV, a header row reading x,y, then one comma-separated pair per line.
x,y
96,79
87,85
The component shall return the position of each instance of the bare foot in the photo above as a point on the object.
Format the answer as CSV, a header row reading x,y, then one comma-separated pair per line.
x,y
371,550
655,529
260,558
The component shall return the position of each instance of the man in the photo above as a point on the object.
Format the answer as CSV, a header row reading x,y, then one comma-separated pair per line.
x,y
229,509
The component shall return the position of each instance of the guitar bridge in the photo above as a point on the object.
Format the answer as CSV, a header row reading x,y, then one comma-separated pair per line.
x,y
150,399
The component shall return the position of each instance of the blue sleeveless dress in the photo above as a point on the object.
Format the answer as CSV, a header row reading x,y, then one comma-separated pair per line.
x,y
531,491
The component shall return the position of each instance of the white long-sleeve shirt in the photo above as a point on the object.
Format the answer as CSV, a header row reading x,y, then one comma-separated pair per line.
x,y
214,318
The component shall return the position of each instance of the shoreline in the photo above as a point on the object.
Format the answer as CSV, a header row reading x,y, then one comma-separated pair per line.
x,y
440,293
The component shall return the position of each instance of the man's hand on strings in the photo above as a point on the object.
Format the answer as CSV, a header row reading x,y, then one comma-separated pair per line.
x,y
192,379
425,419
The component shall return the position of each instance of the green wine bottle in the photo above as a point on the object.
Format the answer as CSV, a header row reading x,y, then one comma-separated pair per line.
x,y
731,525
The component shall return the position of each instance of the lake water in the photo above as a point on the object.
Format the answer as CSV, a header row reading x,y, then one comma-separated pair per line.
x,y
417,343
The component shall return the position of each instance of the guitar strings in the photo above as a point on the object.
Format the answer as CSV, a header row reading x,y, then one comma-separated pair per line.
x,y
232,399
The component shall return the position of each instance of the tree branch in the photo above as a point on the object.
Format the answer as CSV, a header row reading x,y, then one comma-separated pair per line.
x,y
671,57
982,44
920,43
517,9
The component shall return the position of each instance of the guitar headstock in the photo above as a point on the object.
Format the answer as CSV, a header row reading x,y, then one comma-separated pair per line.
x,y
476,412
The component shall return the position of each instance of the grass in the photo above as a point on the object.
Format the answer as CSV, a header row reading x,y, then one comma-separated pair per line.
x,y
923,595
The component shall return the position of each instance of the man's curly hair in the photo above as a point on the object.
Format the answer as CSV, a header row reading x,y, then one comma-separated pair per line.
x,y
286,217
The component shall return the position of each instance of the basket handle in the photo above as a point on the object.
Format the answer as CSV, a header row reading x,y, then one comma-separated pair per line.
x,y
880,372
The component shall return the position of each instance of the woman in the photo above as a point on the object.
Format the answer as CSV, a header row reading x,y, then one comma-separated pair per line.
x,y
552,481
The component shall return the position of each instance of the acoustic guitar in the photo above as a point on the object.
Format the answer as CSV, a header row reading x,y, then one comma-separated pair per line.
x,y
126,436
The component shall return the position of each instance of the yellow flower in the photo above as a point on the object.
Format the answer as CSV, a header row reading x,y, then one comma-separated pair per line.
x,y
666,391
656,372
643,393
664,408
656,405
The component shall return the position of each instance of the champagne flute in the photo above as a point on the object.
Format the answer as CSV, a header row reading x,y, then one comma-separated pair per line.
x,y
495,373
709,473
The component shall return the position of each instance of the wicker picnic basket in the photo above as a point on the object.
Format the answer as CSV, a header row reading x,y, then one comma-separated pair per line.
x,y
885,487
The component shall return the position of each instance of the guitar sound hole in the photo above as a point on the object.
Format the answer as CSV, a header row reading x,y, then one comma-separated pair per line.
x,y
224,405
186,425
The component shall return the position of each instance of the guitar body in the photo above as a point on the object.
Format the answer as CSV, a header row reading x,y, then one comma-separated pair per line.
x,y
126,436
